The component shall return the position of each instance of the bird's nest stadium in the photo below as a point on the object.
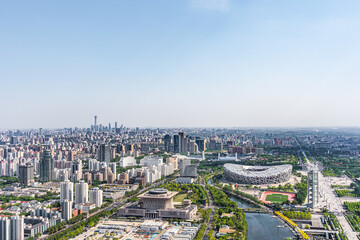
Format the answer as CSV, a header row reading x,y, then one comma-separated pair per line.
x,y
257,174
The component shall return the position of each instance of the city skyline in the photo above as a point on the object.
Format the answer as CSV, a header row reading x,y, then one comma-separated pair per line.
x,y
195,63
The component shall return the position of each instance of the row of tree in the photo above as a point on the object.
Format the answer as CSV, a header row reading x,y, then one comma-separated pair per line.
x,y
297,215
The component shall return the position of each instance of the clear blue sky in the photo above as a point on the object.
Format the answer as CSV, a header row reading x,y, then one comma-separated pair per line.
x,y
179,63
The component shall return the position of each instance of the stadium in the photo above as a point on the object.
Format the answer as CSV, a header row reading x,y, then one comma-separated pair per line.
x,y
257,174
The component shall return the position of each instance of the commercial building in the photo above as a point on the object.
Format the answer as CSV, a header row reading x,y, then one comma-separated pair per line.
x,y
26,174
157,203
104,153
188,171
257,174
151,160
127,161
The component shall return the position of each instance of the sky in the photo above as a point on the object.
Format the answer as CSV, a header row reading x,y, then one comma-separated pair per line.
x,y
179,63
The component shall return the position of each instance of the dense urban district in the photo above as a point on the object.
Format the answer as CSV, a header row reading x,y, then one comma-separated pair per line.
x,y
114,182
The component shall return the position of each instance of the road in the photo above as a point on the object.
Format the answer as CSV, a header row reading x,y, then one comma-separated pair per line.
x,y
328,197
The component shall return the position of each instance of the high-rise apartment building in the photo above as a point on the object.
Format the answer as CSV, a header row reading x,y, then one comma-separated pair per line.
x,y
66,191
47,167
81,192
12,229
26,174
76,170
4,228
17,228
96,197
66,210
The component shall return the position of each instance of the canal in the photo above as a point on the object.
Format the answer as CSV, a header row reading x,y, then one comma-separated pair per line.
x,y
263,226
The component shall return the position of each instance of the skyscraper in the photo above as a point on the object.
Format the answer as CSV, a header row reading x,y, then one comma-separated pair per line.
x,y
81,192
66,210
66,191
95,126
167,143
183,142
104,153
26,174
96,197
46,167
176,143
201,142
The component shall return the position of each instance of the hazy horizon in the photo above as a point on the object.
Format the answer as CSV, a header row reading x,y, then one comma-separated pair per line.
x,y
184,63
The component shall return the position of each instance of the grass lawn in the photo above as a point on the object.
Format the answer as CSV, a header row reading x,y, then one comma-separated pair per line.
x,y
180,197
276,198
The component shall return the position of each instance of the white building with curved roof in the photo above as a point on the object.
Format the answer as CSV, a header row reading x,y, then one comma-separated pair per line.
x,y
257,174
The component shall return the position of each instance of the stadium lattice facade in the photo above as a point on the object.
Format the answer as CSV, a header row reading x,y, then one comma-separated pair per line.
x,y
257,174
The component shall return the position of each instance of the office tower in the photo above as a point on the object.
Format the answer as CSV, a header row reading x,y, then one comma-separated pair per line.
x,y
95,119
190,171
176,143
66,191
313,188
40,131
26,174
66,210
192,147
96,197
183,142
47,167
104,153
116,125
4,228
182,165
180,143
201,142
14,140
81,192
167,143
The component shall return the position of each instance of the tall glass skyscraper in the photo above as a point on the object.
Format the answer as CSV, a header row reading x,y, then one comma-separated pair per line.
x,y
46,167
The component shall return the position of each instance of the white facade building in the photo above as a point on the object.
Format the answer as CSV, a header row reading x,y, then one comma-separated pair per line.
x,y
151,160
127,162
96,197
81,192
66,191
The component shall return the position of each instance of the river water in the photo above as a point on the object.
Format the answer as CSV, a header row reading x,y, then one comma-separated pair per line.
x,y
262,226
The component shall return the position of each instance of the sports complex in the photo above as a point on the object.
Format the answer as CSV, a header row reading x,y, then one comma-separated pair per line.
x,y
257,174
276,197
